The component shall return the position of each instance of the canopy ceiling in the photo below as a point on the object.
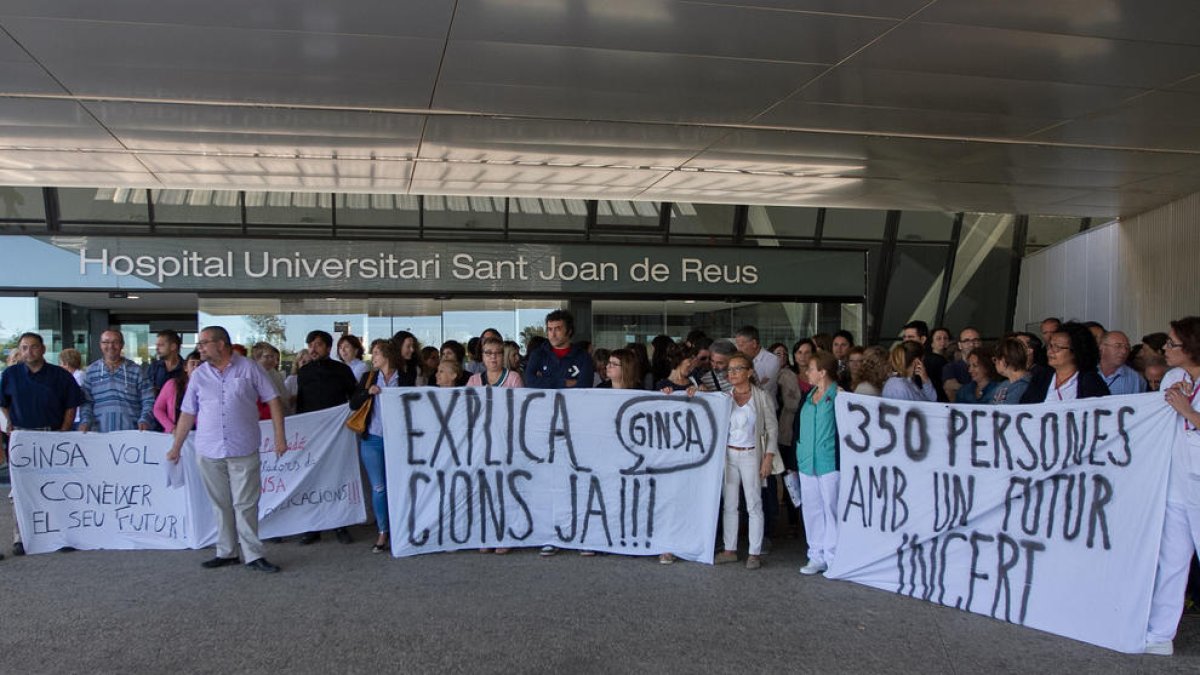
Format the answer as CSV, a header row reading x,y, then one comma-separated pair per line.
x,y
1074,107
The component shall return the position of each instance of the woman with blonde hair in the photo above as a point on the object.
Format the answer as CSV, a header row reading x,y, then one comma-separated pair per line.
x,y
908,381
751,457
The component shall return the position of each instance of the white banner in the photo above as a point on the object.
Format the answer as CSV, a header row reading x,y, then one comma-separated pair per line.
x,y
1047,516
599,469
109,491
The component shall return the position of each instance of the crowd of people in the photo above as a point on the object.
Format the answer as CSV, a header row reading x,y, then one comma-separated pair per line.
x,y
782,427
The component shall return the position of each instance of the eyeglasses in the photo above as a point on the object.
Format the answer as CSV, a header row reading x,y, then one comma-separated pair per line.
x,y
201,343
1058,348
614,365
1171,344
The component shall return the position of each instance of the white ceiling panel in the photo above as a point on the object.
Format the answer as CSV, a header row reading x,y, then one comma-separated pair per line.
x,y
671,27
94,58
1079,107
1024,55
50,123
563,141
1170,22
411,18
942,92
888,9
578,83
243,129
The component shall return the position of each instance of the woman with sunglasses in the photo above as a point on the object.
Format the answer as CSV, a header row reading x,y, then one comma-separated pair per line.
x,y
1181,527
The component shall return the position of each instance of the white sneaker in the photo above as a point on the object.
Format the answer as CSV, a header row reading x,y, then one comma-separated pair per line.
x,y
1159,648
813,568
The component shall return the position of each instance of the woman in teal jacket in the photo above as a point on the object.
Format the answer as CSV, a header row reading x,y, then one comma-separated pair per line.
x,y
817,460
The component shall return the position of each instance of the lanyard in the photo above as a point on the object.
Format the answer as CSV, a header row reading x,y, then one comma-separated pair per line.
x,y
1058,389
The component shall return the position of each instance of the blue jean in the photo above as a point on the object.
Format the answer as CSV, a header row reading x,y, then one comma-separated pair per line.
x,y
370,449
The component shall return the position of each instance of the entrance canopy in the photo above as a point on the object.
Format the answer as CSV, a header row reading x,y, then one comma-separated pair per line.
x,y
1073,107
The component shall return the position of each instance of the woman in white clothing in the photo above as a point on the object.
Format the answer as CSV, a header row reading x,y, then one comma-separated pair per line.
x,y
1181,527
751,456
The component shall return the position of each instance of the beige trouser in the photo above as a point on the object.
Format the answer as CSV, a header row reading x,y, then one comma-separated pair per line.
x,y
234,484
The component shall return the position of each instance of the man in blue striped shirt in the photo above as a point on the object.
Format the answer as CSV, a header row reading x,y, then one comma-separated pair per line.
x,y
117,394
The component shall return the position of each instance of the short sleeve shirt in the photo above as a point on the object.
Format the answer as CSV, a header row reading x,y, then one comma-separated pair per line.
x,y
228,402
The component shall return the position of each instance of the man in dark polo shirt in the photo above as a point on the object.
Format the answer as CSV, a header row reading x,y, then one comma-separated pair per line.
x,y
323,383
37,395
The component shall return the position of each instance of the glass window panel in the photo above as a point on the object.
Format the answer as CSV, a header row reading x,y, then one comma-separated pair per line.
x,y
926,226
547,214
622,212
853,224
1048,230
17,315
289,208
782,221
196,206
713,220
982,266
378,210
98,204
22,203
460,213
912,292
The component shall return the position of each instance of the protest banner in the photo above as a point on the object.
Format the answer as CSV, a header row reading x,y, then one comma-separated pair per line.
x,y
601,470
110,491
1047,516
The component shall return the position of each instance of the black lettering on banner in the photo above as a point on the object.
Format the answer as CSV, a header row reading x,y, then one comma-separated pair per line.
x,y
595,507
623,479
957,427
1076,439
1124,434
951,536
1003,566
130,454
489,505
1033,457
914,420
411,431
473,406
1029,547
976,443
413,480
520,500
665,434
574,512
1000,422
461,496
1049,460
445,431
64,453
441,479
529,399
1102,494
885,410
1074,485
950,497
633,521
865,444
975,539
560,428
877,490
1098,436
509,402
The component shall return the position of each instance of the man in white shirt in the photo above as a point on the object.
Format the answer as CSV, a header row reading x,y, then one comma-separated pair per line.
x,y
766,364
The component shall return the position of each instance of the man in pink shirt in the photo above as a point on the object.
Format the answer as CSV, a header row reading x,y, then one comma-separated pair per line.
x,y
225,389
